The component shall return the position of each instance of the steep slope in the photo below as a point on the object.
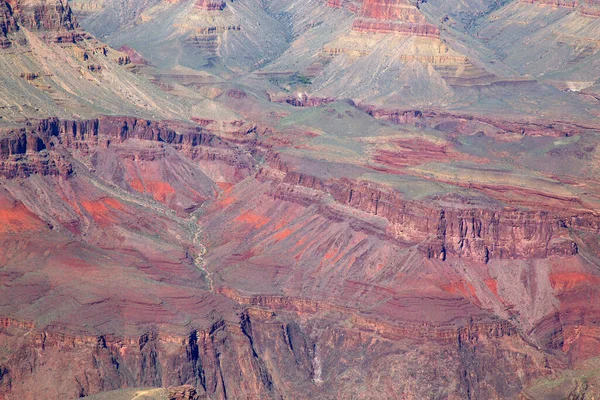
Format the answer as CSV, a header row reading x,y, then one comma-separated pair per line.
x,y
95,264
555,42
391,40
392,54
48,66
239,36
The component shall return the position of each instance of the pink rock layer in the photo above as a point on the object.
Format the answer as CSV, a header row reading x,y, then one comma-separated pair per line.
x,y
409,29
388,16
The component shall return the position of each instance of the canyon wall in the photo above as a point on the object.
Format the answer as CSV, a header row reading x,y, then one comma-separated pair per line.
x,y
212,360
37,142
477,233
275,342
393,16
52,19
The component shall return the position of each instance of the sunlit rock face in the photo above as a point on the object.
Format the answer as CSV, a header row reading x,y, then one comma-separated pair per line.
x,y
385,16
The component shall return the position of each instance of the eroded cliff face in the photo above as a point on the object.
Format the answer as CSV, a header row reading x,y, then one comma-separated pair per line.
x,y
269,356
290,245
476,233
7,22
53,18
211,361
388,16
7,25
43,15
293,285
479,234
385,16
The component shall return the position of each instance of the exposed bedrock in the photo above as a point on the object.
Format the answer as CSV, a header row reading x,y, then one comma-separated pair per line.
x,y
389,16
392,10
42,140
263,355
53,19
476,233
7,20
40,15
412,29
211,5
458,123
219,360
288,335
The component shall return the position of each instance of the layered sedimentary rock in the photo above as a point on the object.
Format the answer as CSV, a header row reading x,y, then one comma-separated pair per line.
x,y
396,35
573,25
410,29
64,67
53,18
214,29
202,359
289,245
43,15
7,21
480,234
555,3
272,265
7,25
377,16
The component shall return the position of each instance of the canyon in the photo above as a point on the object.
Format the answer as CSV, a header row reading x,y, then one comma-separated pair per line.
x,y
280,199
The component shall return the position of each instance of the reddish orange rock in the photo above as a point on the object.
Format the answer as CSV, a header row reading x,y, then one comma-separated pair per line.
x,y
393,16
392,10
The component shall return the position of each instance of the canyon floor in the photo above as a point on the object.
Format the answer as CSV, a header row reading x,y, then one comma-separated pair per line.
x,y
250,199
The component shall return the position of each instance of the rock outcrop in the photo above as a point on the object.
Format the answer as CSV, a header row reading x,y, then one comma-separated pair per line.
x,y
286,244
43,15
388,16
7,24
52,19
7,20
444,232
206,360
211,5
590,8
441,232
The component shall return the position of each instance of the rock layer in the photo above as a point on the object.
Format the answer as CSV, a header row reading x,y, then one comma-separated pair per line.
x,y
293,281
397,16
